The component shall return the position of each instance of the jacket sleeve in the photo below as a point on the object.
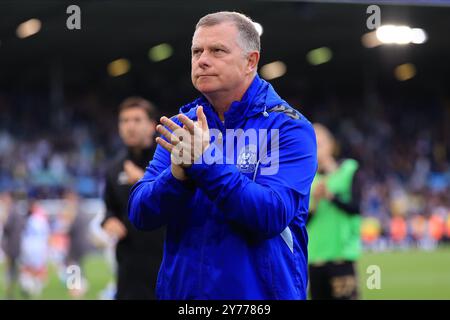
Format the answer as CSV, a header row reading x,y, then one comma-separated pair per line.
x,y
158,195
352,207
267,205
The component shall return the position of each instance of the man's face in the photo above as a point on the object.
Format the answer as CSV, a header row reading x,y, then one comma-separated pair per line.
x,y
218,63
135,127
325,145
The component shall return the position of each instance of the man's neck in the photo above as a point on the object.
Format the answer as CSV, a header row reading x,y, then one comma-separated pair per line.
x,y
221,101
137,150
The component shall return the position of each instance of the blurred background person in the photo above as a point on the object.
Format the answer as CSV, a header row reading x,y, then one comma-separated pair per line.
x,y
334,223
78,238
138,253
34,249
106,244
16,212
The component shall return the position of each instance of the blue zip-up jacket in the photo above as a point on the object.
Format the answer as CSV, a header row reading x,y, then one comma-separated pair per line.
x,y
233,232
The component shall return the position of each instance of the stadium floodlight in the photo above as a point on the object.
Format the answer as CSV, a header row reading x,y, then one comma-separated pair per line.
x,y
405,71
401,35
28,28
160,52
319,56
118,67
370,40
418,36
273,70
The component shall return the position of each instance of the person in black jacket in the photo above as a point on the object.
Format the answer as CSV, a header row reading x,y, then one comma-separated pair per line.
x,y
138,253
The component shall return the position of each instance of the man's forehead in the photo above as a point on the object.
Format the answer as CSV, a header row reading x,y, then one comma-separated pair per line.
x,y
132,112
220,33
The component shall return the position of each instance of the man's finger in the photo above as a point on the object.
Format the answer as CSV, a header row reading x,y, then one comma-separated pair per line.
x,y
169,123
199,117
121,232
167,134
202,118
163,143
187,122
129,165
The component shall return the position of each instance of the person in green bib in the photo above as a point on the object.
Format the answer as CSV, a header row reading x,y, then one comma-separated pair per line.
x,y
334,223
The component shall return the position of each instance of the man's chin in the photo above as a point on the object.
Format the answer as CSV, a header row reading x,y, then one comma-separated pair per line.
x,y
132,144
206,89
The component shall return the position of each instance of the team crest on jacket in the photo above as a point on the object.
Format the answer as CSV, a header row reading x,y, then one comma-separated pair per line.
x,y
247,159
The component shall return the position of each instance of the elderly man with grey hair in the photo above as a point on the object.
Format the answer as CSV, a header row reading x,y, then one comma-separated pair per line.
x,y
235,201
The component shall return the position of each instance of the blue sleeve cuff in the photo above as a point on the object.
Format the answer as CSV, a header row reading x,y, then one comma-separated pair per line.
x,y
178,186
210,157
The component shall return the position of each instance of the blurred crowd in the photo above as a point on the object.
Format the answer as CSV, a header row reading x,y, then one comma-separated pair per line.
x,y
44,152
403,146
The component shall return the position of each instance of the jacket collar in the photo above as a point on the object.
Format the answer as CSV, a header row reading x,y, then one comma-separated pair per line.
x,y
259,97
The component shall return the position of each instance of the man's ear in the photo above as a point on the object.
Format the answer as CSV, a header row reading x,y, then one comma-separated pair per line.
x,y
252,61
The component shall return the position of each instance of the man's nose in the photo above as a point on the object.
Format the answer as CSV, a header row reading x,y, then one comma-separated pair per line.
x,y
204,60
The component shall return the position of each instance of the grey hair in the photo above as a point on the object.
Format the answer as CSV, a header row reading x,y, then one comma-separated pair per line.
x,y
248,39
